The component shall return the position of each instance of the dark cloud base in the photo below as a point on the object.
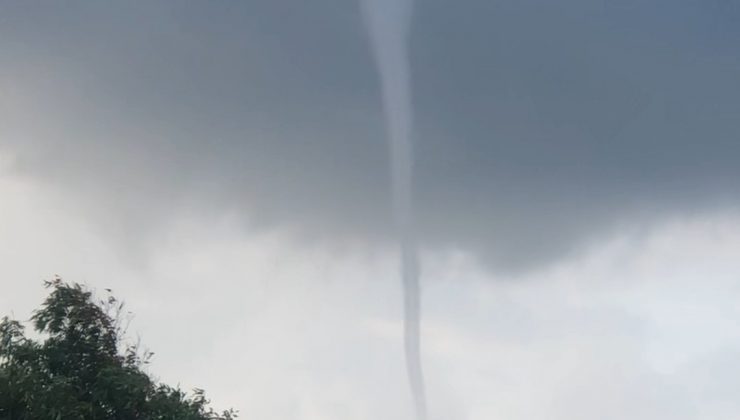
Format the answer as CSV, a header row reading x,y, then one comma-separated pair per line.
x,y
541,126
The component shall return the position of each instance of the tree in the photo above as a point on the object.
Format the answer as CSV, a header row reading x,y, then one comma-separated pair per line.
x,y
81,369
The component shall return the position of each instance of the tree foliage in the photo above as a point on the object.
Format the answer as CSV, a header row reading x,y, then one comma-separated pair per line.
x,y
81,369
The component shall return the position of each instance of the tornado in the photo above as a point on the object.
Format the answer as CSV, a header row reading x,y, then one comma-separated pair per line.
x,y
388,24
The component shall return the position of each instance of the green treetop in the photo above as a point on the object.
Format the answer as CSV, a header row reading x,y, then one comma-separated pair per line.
x,y
80,368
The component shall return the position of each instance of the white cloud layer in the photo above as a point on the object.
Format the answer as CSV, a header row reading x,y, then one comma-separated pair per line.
x,y
643,326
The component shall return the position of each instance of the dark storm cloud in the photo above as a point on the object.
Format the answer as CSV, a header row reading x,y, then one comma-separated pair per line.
x,y
540,124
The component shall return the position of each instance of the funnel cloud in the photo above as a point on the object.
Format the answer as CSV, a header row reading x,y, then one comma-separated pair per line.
x,y
388,22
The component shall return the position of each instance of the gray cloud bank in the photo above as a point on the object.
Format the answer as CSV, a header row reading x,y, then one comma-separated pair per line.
x,y
541,125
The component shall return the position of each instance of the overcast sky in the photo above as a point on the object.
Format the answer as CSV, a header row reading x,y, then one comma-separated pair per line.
x,y
223,167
